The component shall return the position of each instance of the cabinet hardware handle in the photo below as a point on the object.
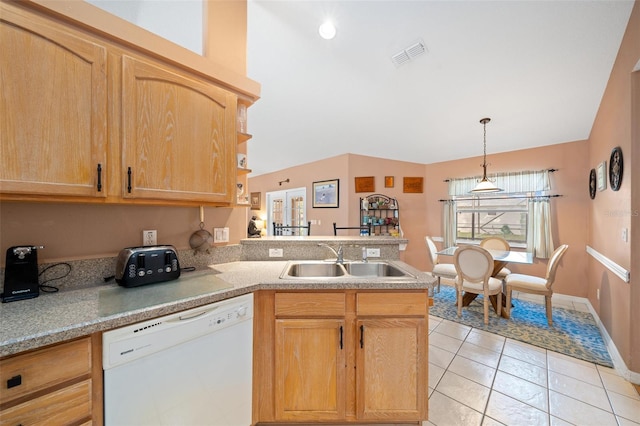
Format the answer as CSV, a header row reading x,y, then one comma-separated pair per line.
x,y
362,336
99,177
129,180
14,381
340,337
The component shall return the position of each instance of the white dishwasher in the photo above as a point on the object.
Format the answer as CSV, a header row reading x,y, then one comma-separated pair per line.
x,y
189,368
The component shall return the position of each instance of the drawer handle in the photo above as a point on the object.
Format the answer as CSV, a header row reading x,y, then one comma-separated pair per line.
x,y
14,381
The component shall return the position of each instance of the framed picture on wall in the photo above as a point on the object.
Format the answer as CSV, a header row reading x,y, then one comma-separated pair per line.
x,y
388,181
255,201
326,193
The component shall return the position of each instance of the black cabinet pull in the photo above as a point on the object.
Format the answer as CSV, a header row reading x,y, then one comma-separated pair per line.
x,y
14,381
99,177
362,336
340,337
129,180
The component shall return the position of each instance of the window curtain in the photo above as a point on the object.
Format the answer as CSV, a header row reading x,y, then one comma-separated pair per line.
x,y
540,240
449,216
513,182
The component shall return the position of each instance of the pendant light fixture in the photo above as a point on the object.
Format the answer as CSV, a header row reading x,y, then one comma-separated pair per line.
x,y
485,185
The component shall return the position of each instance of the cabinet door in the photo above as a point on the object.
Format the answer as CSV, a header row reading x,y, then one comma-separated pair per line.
x,y
53,109
391,371
310,369
179,138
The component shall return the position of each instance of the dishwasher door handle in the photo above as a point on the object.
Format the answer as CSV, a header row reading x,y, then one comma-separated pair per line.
x,y
193,315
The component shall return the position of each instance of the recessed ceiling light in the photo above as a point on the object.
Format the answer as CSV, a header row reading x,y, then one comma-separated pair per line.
x,y
327,30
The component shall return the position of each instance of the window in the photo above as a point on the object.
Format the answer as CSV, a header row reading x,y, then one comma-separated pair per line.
x,y
478,218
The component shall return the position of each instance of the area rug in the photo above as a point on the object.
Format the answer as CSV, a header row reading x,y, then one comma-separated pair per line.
x,y
573,333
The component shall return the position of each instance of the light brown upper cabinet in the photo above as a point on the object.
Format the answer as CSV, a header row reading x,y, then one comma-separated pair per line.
x,y
178,136
53,110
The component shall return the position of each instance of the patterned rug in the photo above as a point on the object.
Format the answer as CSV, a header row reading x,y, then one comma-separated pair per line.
x,y
573,333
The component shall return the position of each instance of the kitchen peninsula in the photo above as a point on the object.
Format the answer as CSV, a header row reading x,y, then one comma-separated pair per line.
x,y
391,312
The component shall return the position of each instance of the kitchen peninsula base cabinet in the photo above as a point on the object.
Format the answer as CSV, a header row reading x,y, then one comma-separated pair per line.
x,y
356,356
59,384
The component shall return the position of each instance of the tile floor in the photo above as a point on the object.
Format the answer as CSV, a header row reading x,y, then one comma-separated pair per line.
x,y
480,378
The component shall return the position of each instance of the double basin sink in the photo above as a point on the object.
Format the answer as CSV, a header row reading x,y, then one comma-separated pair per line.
x,y
331,270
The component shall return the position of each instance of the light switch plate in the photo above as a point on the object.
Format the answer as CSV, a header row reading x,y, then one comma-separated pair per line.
x,y
220,235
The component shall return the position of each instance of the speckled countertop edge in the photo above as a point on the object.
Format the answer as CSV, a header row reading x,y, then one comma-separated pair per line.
x,y
53,318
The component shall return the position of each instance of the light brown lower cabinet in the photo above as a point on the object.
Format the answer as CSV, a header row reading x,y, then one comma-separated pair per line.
x,y
59,384
340,356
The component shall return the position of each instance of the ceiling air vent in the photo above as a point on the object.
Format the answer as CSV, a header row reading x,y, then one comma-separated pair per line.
x,y
408,53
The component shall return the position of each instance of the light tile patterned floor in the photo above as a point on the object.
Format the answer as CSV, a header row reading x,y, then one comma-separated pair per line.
x,y
479,378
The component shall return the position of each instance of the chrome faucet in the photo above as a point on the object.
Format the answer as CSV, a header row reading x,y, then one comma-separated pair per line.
x,y
364,254
339,253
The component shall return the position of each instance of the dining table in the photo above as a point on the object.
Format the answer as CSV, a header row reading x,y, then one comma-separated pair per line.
x,y
500,259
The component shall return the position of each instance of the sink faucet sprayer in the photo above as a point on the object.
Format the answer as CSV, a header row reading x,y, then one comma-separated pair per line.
x,y
339,254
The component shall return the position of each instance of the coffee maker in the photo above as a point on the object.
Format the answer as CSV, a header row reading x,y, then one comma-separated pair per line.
x,y
21,274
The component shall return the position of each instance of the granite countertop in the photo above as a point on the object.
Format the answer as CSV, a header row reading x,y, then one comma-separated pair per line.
x,y
55,317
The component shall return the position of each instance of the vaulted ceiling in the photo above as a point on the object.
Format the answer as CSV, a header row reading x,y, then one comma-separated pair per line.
x,y
538,69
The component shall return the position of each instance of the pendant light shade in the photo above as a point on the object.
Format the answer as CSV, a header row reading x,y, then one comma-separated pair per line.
x,y
485,185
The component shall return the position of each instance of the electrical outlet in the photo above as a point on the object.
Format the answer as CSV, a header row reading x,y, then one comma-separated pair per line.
x,y
625,235
373,252
150,237
598,293
276,252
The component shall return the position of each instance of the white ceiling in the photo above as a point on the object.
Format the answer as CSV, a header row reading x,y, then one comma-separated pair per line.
x,y
538,69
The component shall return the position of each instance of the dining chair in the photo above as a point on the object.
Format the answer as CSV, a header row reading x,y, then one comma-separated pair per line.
x,y
474,266
361,228
497,243
440,270
537,285
295,229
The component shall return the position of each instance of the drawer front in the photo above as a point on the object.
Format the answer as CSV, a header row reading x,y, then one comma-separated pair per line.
x,y
310,304
64,406
23,374
385,304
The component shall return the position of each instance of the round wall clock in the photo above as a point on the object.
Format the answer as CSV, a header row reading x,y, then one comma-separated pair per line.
x,y
615,168
592,184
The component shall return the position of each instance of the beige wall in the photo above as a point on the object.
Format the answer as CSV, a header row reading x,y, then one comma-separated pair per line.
x,y
569,212
346,167
611,211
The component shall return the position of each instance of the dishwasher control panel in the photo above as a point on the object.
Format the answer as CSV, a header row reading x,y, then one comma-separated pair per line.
x,y
138,340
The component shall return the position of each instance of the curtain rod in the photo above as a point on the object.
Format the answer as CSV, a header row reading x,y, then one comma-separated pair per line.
x,y
504,198
549,170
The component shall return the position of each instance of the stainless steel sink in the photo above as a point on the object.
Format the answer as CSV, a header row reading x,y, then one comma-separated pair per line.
x,y
330,270
373,269
305,269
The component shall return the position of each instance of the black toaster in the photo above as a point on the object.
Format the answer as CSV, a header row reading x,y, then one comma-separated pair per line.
x,y
138,266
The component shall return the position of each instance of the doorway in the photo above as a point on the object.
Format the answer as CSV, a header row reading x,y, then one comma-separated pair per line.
x,y
287,208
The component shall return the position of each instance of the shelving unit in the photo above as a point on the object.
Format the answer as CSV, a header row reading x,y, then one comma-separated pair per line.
x,y
242,198
382,213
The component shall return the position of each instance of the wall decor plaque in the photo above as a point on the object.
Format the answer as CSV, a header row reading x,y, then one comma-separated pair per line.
x,y
615,168
388,181
365,184
412,185
592,184
602,176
